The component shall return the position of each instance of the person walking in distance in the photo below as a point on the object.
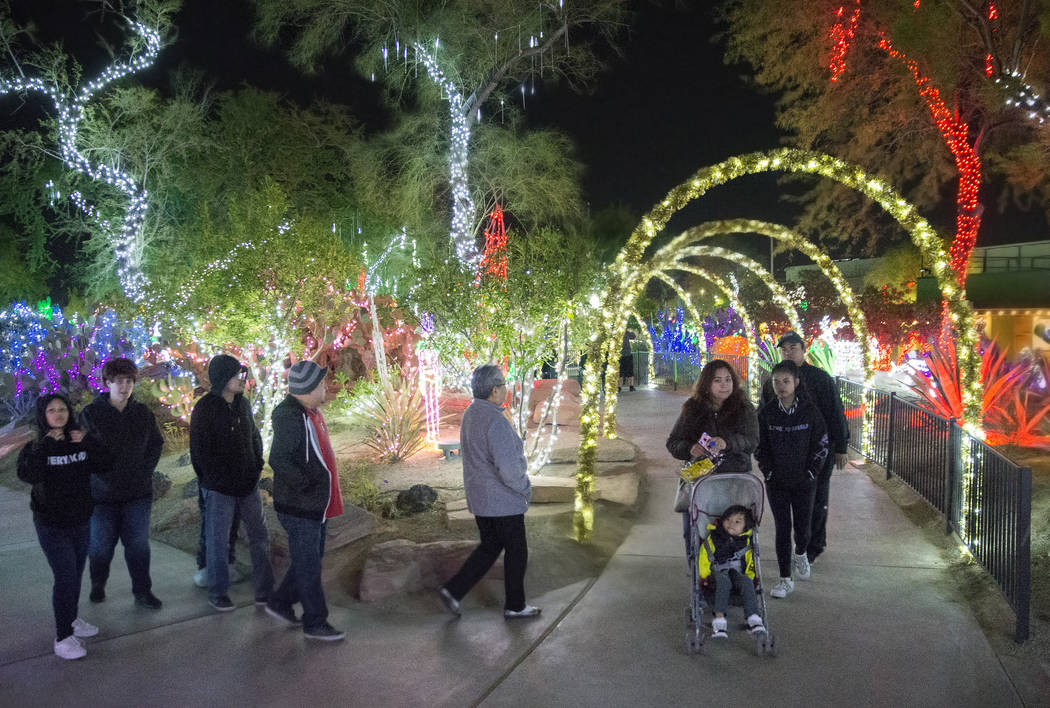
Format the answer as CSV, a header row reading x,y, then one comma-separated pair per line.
x,y
227,455
123,489
498,493
305,495
818,386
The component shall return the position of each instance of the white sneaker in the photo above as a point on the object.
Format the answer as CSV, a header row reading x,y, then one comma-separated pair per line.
x,y
200,578
800,566
70,648
527,611
83,629
718,628
782,588
755,625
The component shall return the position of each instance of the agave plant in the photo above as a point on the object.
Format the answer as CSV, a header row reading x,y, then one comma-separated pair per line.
x,y
396,419
940,389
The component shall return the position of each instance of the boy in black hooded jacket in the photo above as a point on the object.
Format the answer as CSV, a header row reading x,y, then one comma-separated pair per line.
x,y
226,452
792,449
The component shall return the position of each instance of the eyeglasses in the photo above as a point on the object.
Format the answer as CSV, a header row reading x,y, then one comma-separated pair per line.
x,y
501,383
243,373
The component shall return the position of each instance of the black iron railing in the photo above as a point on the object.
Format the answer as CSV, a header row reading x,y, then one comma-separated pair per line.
x,y
985,498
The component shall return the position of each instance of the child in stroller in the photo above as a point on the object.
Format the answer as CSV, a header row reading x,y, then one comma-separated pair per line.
x,y
713,499
726,555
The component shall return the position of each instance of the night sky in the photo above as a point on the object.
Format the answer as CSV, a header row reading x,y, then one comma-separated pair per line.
x,y
660,112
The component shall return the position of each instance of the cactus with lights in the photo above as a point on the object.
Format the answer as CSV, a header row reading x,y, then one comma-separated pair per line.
x,y
125,237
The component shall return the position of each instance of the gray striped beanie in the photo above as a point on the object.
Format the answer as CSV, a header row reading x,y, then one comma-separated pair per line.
x,y
304,376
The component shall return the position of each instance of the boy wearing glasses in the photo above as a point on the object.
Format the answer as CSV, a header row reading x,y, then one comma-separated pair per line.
x,y
498,493
227,456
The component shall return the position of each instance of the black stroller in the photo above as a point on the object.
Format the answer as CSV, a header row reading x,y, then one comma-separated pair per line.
x,y
709,497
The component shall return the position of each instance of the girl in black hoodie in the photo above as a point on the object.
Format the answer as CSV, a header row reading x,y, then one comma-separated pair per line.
x,y
59,464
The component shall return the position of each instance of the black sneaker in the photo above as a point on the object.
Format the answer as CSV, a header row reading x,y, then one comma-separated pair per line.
x,y
325,633
285,614
222,603
148,599
98,593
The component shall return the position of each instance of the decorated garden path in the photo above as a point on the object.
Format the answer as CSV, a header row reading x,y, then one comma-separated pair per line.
x,y
880,623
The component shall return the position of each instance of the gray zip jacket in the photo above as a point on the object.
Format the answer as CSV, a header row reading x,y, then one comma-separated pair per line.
x,y
493,462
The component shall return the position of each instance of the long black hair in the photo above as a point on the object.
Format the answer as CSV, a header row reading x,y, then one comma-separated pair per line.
x,y
733,406
41,414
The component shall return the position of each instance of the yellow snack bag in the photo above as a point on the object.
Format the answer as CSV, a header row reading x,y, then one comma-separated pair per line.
x,y
697,469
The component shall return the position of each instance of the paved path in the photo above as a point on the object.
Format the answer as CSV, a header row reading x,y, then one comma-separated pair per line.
x,y
879,624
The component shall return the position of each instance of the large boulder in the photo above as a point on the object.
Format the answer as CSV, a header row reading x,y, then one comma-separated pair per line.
x,y
401,566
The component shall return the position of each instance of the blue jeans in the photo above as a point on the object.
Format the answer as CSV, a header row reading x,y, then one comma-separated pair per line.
x,y
725,580
219,512
66,550
202,544
128,522
302,582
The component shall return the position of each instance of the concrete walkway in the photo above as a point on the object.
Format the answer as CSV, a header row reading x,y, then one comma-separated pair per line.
x,y
878,625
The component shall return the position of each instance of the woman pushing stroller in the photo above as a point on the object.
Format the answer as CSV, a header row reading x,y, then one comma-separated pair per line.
x,y
719,408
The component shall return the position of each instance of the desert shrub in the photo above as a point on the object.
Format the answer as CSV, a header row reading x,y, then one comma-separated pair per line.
x,y
395,419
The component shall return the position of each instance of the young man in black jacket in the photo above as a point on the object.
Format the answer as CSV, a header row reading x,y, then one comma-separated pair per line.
x,y
227,455
123,490
792,448
818,386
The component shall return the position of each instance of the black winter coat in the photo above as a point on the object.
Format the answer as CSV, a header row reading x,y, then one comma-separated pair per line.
x,y
819,387
741,435
792,447
133,444
225,445
60,472
302,485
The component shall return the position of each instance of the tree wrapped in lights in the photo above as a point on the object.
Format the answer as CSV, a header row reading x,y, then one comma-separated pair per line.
x,y
967,66
123,232
475,53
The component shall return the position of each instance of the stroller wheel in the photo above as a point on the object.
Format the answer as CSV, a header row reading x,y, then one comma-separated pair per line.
x,y
766,644
694,641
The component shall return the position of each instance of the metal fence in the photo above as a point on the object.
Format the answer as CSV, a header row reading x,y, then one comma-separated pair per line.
x,y
985,498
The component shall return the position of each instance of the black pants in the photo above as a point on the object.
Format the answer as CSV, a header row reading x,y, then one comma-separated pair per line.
x,y
792,507
66,550
504,534
818,535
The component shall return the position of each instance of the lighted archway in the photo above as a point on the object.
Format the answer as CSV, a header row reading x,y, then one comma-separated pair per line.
x,y
621,290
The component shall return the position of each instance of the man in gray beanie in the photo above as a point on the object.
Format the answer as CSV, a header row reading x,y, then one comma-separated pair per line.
x,y
226,452
305,495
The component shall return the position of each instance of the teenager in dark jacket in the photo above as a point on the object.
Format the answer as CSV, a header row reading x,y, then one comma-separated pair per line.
x,y
818,386
59,464
719,408
305,495
226,452
792,449
123,490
